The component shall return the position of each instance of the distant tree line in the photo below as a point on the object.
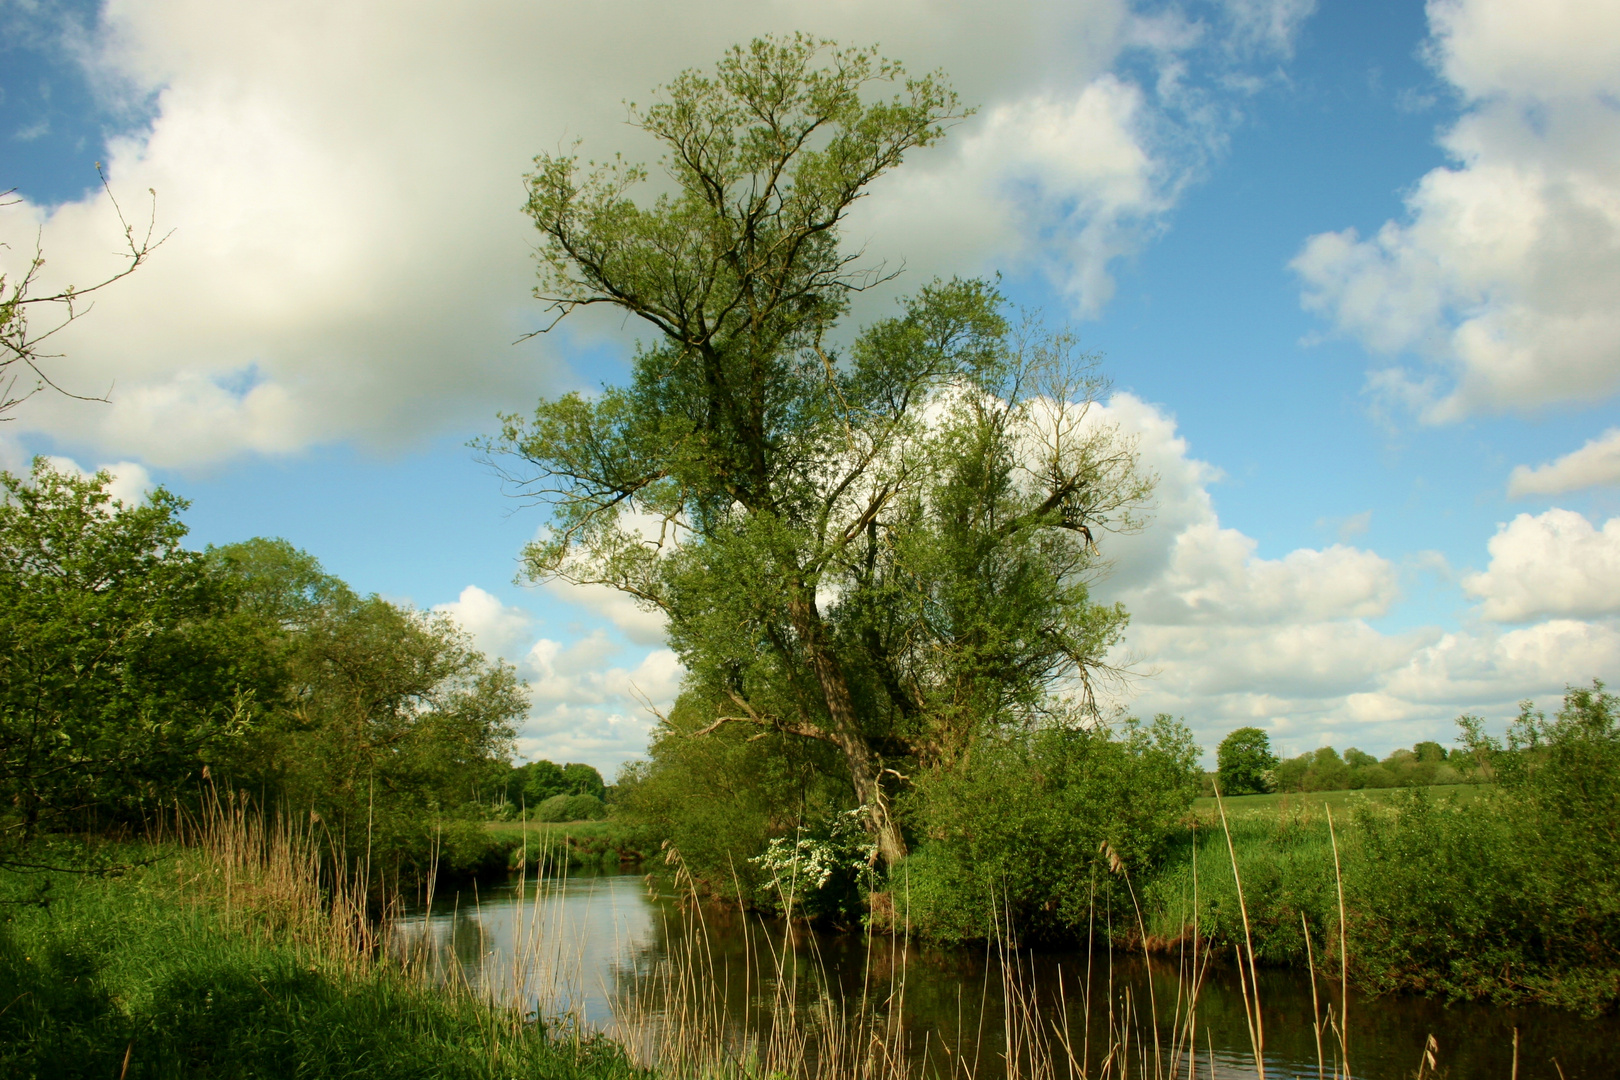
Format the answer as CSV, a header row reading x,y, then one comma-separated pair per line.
x,y
1246,765
545,791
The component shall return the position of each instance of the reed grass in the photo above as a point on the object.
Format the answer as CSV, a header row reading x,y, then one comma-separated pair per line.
x,y
242,946
247,946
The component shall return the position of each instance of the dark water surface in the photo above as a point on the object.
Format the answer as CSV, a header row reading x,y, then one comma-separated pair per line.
x,y
593,947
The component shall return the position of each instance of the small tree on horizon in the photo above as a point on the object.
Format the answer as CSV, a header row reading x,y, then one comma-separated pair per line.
x,y
1244,762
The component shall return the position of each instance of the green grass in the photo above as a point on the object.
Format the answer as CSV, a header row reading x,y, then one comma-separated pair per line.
x,y
1285,858
1337,801
145,975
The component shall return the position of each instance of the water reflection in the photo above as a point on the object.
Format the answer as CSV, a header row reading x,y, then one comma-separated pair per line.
x,y
599,949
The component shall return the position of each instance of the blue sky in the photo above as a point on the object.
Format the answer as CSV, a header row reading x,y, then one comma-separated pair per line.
x,y
1351,266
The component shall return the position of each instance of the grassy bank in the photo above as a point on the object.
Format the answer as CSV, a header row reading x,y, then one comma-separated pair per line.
x,y
1342,802
571,845
1458,891
195,962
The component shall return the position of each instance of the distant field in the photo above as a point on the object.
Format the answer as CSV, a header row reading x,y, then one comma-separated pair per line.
x,y
1248,805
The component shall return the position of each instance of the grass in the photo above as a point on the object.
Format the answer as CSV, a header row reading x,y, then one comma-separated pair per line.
x,y
227,958
1342,803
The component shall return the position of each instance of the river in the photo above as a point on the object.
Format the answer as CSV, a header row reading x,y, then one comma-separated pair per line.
x,y
610,954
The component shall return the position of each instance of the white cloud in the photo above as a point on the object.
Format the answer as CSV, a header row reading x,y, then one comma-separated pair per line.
x,y
1503,274
640,626
1597,464
348,261
587,709
1227,638
130,480
1555,563
497,629
1270,25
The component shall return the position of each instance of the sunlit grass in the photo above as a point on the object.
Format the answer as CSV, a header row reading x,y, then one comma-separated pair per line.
x,y
1343,803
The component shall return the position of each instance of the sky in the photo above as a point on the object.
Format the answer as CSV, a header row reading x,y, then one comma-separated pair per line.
x,y
1352,266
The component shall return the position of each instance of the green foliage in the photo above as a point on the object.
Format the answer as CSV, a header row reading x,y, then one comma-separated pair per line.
x,y
1508,891
719,799
132,977
1020,831
1285,860
119,677
533,783
387,725
570,808
1428,764
1512,897
750,469
1244,762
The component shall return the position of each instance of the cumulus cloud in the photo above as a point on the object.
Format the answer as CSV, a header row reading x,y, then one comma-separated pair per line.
x,y
634,622
131,482
588,697
1503,273
1556,563
1597,464
348,260
587,708
1225,637
498,630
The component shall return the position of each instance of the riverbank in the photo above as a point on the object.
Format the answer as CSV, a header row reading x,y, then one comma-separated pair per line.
x,y
1461,892
175,962
570,845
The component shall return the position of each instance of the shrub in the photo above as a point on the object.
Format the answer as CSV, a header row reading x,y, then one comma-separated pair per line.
x,y
720,798
1511,897
1020,829
571,808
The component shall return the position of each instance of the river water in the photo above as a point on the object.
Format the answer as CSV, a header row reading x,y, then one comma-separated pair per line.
x,y
611,954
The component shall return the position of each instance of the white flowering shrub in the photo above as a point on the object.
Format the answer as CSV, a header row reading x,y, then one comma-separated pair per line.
x,y
819,873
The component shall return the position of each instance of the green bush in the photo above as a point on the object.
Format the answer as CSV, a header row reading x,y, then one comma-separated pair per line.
x,y
1019,831
719,799
1513,897
571,808
1285,859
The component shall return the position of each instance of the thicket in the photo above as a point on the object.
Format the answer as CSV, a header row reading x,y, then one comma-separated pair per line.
x,y
136,675
1508,891
1427,764
1021,827
571,808
1019,837
532,783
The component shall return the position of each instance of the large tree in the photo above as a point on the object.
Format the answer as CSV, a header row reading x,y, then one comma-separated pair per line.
x,y
883,548
115,683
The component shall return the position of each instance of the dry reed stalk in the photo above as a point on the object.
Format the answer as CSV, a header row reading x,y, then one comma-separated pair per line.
x,y
1257,1031
1316,1005
1344,951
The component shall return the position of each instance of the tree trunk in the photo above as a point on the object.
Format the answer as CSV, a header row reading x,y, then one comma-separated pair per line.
x,y
864,768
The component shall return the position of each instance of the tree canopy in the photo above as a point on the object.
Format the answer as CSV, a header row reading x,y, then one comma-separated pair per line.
x,y
885,548
134,672
1244,762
